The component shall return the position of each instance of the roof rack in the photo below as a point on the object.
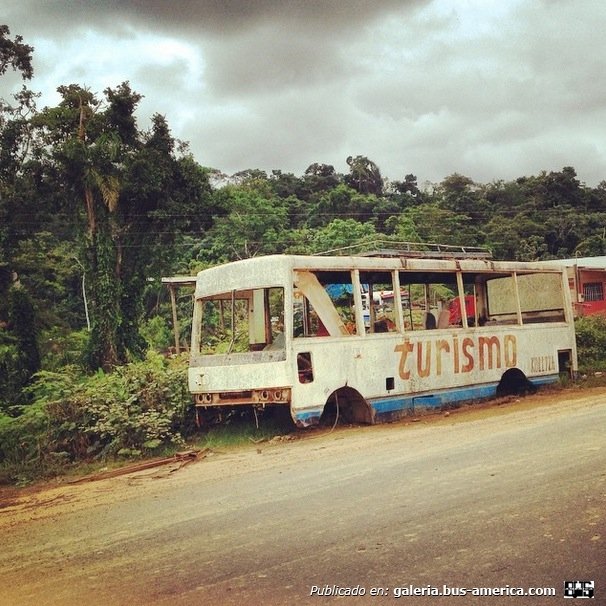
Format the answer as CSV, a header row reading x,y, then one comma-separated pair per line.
x,y
419,250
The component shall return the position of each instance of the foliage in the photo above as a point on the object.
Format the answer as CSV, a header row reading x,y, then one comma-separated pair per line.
x,y
19,354
591,343
344,202
432,222
50,272
137,409
12,374
341,233
364,175
23,440
60,347
22,324
157,334
15,53
127,189
254,221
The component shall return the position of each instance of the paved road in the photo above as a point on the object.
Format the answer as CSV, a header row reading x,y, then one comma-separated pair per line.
x,y
514,498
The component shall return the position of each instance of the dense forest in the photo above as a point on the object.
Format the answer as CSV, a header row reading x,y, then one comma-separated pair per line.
x,y
95,208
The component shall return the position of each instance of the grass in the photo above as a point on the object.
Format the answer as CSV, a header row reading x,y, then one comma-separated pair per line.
x,y
243,431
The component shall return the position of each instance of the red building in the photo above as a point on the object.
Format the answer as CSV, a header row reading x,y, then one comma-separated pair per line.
x,y
587,281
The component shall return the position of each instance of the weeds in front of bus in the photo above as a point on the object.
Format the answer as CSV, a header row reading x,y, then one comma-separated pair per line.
x,y
244,430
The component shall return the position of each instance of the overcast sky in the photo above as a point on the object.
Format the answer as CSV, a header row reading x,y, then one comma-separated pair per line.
x,y
491,89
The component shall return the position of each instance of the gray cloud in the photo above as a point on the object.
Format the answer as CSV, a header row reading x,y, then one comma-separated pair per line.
x,y
202,17
490,90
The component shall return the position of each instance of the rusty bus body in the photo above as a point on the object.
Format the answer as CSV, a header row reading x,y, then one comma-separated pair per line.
x,y
296,332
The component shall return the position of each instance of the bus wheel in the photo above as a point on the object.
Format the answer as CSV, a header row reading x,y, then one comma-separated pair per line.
x,y
346,405
514,383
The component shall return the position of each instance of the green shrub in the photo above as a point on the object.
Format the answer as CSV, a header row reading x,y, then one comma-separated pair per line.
x,y
591,342
137,409
157,333
22,324
23,439
61,347
12,374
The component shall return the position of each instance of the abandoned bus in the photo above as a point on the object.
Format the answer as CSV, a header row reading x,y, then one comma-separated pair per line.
x,y
310,334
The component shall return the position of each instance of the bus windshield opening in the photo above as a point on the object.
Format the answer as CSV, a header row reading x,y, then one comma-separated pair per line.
x,y
241,321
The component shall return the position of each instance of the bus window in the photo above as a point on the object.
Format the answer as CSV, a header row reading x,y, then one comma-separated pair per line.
x,y
472,305
540,298
379,301
323,304
242,321
502,304
275,318
305,367
430,300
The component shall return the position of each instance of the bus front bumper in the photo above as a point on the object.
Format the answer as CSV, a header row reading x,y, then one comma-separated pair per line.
x,y
271,395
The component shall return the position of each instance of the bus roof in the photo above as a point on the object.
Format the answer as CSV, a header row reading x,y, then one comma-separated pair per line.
x,y
274,270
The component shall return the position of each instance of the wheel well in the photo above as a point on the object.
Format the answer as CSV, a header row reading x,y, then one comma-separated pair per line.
x,y
514,382
346,405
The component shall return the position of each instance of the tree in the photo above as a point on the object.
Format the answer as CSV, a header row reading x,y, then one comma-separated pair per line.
x,y
22,324
364,176
517,238
320,177
286,185
564,231
255,222
461,195
593,246
342,202
14,53
408,188
554,190
19,354
403,228
128,189
340,233
432,223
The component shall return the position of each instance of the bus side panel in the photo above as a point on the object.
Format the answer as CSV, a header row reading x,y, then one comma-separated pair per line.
x,y
397,373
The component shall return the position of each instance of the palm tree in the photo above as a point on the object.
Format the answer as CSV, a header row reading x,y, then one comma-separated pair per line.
x,y
364,176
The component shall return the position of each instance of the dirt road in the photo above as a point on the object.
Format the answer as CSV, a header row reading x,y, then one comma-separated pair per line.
x,y
503,495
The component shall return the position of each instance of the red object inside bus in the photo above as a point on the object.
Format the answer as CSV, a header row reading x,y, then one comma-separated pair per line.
x,y
455,309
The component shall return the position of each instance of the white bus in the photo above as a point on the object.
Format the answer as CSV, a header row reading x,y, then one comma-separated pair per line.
x,y
306,332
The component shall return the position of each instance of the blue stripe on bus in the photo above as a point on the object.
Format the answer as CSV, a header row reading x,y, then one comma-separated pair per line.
x,y
434,400
309,416
438,399
387,406
548,380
